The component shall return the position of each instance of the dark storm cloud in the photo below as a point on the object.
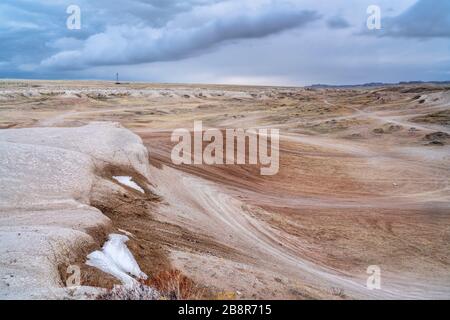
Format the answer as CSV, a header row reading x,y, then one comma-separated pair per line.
x,y
337,22
191,33
154,13
425,19
226,41
19,34
31,31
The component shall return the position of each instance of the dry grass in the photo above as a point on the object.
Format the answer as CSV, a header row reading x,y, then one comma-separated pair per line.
x,y
174,285
137,292
338,292
166,285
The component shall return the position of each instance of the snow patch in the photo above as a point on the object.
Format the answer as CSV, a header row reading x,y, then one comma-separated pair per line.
x,y
128,181
129,234
117,260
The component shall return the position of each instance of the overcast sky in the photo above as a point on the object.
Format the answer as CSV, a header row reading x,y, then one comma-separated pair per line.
x,y
279,42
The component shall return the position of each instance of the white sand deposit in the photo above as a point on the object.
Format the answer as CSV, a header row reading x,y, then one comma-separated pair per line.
x,y
47,176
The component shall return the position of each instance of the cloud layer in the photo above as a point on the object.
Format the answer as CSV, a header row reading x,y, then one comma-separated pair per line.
x,y
188,34
288,42
337,22
425,19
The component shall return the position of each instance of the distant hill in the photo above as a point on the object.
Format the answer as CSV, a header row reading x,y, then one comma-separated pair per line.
x,y
378,84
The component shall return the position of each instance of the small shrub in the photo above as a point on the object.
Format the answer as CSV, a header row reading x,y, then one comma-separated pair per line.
x,y
174,285
138,291
338,292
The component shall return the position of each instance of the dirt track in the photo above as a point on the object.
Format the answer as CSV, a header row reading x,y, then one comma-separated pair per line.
x,y
357,185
